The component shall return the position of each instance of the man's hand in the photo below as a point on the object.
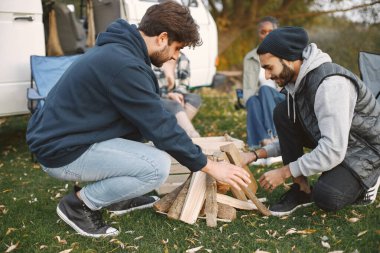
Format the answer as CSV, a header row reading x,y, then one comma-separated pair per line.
x,y
273,178
247,157
169,69
177,97
227,173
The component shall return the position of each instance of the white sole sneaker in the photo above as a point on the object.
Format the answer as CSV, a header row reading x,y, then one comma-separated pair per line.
x,y
370,195
280,214
110,231
136,208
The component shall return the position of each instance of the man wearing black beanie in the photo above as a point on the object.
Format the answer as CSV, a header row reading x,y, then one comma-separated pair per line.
x,y
329,110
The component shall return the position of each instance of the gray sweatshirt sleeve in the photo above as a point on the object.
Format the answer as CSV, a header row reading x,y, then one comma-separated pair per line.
x,y
334,107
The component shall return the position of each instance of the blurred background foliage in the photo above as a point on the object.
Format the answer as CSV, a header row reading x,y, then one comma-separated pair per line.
x,y
340,36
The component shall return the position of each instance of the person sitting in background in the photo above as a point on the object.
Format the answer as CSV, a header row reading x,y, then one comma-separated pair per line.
x,y
259,94
174,79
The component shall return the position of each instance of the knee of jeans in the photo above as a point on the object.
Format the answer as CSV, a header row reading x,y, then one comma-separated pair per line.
x,y
163,168
193,99
264,90
326,198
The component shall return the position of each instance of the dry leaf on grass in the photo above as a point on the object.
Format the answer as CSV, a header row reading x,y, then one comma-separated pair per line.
x,y
302,232
12,247
325,244
3,209
291,231
43,246
336,251
194,249
261,251
61,241
362,233
306,231
10,230
116,241
66,251
353,220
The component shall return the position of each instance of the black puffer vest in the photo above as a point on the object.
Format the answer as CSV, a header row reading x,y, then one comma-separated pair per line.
x,y
363,151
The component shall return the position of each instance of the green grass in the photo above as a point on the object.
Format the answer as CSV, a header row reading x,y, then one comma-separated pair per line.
x,y
28,198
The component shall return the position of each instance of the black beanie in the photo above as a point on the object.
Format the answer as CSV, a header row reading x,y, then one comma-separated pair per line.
x,y
286,43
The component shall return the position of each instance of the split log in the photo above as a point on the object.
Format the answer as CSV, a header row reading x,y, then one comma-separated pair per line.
x,y
260,206
211,206
237,203
235,158
176,208
195,198
226,212
164,204
239,194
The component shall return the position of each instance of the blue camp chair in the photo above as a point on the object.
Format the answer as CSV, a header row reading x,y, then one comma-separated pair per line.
x,y
46,71
369,65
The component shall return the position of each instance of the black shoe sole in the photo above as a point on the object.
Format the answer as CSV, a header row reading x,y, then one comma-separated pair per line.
x,y
79,230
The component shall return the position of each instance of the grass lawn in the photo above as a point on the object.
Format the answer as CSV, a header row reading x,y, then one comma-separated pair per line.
x,y
29,223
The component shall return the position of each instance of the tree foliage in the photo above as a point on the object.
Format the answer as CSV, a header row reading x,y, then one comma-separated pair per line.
x,y
237,21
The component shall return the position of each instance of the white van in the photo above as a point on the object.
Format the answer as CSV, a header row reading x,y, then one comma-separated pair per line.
x,y
23,34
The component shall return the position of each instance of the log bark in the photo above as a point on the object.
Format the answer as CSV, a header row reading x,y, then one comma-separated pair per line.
x,y
164,204
211,206
226,212
176,209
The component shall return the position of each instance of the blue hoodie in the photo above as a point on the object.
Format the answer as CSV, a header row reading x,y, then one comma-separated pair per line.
x,y
109,92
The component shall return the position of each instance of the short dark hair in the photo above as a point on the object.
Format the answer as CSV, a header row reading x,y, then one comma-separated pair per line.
x,y
269,19
173,18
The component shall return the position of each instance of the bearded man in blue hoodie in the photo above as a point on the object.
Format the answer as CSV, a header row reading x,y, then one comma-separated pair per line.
x,y
94,119
329,110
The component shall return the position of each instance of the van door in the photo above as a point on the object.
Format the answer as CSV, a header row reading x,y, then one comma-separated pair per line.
x,y
22,31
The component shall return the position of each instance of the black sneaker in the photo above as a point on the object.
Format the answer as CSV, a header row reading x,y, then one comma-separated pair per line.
x,y
369,196
290,201
82,219
129,205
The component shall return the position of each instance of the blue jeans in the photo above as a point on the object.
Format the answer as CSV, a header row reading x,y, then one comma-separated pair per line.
x,y
118,169
260,108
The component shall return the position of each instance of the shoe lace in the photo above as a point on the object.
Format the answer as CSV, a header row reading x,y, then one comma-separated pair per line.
x,y
95,217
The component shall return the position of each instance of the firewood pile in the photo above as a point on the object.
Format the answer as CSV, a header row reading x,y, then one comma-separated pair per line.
x,y
201,196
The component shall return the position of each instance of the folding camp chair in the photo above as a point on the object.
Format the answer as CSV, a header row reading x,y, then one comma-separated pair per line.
x,y
369,65
46,71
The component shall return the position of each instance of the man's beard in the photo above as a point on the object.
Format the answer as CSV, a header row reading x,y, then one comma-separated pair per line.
x,y
285,76
158,58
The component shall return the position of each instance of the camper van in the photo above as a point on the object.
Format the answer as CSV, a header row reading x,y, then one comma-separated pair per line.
x,y
23,32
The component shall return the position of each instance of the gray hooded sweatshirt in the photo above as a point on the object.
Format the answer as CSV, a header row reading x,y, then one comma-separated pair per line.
x,y
334,114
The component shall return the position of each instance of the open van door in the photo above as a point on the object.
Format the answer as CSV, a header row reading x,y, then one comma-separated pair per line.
x,y
22,31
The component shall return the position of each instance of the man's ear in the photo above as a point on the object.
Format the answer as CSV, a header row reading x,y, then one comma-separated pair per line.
x,y
162,39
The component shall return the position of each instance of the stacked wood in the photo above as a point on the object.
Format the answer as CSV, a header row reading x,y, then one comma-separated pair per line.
x,y
199,196
209,145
